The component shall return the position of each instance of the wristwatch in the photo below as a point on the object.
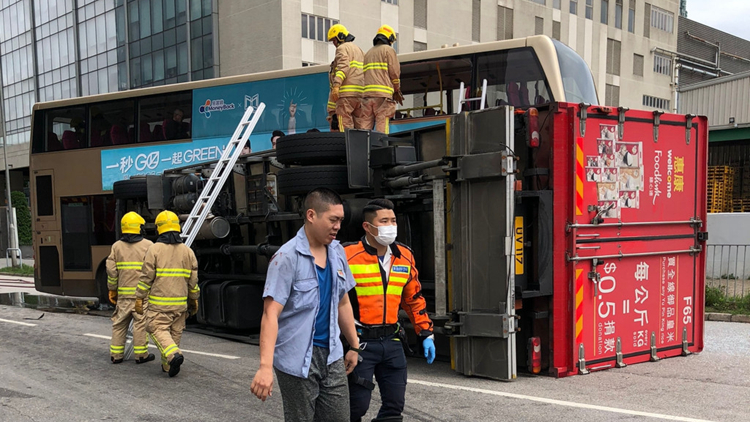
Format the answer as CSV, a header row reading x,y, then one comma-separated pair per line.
x,y
354,349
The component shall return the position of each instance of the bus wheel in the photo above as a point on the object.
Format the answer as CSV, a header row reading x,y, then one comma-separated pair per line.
x,y
300,180
312,148
130,189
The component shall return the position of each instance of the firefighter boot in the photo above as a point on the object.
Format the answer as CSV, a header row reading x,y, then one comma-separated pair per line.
x,y
174,364
389,419
115,361
148,358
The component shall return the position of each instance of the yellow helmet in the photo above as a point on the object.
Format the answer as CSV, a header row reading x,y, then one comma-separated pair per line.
x,y
338,31
131,223
388,33
167,221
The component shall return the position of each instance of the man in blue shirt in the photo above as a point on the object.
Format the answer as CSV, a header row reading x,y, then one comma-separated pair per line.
x,y
306,308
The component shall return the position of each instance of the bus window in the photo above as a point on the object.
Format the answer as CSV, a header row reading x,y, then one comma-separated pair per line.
x,y
578,82
165,117
431,88
44,201
514,77
111,123
103,212
76,233
66,127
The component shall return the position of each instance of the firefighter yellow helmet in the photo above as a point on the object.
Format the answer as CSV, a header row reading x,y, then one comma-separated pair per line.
x,y
131,223
338,32
167,221
388,33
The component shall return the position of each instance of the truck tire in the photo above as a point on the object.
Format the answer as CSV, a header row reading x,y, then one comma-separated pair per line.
x,y
301,180
311,148
130,189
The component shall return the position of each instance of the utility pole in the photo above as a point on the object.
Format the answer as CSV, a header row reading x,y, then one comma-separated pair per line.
x,y
12,228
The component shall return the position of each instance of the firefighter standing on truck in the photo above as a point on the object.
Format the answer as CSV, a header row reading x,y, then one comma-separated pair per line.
x,y
386,279
123,268
382,82
346,78
170,280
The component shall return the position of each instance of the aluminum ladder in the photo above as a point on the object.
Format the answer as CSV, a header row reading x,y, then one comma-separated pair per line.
x,y
462,97
220,173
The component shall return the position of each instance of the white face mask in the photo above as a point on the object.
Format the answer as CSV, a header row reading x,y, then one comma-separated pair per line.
x,y
386,234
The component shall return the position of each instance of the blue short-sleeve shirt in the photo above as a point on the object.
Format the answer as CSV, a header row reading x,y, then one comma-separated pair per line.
x,y
292,281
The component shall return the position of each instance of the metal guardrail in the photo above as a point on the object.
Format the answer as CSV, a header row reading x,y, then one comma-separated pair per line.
x,y
728,268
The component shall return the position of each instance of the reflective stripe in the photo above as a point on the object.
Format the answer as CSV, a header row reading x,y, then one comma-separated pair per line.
x,y
143,286
129,265
369,291
364,268
341,75
173,348
331,105
167,301
376,65
126,290
396,81
173,272
351,88
111,280
117,350
196,289
140,350
365,280
387,125
355,64
378,88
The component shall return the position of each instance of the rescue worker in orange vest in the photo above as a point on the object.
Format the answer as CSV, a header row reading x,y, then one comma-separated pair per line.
x,y
346,78
386,279
170,281
382,82
123,269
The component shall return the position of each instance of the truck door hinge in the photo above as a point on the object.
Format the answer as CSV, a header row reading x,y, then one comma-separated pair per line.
x,y
688,127
657,119
582,116
621,121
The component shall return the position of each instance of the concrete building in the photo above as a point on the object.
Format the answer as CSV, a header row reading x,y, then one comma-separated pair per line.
x,y
53,49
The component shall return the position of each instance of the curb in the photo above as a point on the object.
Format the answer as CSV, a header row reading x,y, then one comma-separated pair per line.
x,y
716,316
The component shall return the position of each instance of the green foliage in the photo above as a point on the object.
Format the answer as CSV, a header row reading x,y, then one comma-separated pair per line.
x,y
25,270
23,217
715,296
717,301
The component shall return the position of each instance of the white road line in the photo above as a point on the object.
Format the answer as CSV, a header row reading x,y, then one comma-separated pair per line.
x,y
557,402
216,355
17,322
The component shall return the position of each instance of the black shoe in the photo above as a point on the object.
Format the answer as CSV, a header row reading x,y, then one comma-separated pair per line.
x,y
174,364
148,358
115,361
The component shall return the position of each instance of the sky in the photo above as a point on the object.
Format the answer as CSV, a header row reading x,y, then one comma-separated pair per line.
x,y
726,15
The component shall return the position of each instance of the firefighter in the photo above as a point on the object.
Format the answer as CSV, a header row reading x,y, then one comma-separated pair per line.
x,y
170,281
123,268
382,82
386,279
346,77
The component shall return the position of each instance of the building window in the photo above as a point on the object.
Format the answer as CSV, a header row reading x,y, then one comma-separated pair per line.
x,y
476,10
395,44
420,14
394,2
420,46
618,14
637,65
539,26
556,30
556,4
306,64
316,27
631,17
662,19
655,102
612,95
605,12
663,64
542,2
504,23
613,57
589,9
573,7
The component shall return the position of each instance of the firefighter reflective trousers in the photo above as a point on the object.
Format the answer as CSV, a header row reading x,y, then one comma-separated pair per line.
x,y
385,359
348,111
124,313
378,111
165,329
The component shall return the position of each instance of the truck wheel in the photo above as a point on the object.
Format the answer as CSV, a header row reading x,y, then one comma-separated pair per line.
x,y
130,189
311,148
301,180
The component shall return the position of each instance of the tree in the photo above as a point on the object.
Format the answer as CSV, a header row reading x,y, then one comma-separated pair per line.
x,y
23,217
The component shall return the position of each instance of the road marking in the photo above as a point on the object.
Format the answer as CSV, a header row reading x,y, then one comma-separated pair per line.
x,y
17,322
216,355
557,402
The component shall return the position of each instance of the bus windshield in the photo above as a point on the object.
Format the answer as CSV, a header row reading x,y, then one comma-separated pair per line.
x,y
577,80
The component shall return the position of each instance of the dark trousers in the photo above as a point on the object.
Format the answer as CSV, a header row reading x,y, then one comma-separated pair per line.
x,y
386,360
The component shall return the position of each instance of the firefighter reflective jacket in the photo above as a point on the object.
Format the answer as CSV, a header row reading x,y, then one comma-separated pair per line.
x,y
346,70
382,72
124,266
377,299
169,277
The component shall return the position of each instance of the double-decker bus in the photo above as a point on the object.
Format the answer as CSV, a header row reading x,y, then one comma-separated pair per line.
x,y
81,146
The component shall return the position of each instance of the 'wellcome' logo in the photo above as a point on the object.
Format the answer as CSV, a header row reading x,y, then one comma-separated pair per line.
x,y
214,105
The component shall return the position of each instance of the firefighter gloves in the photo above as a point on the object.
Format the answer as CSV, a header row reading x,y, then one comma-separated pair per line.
x,y
113,297
429,349
193,306
139,306
335,93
